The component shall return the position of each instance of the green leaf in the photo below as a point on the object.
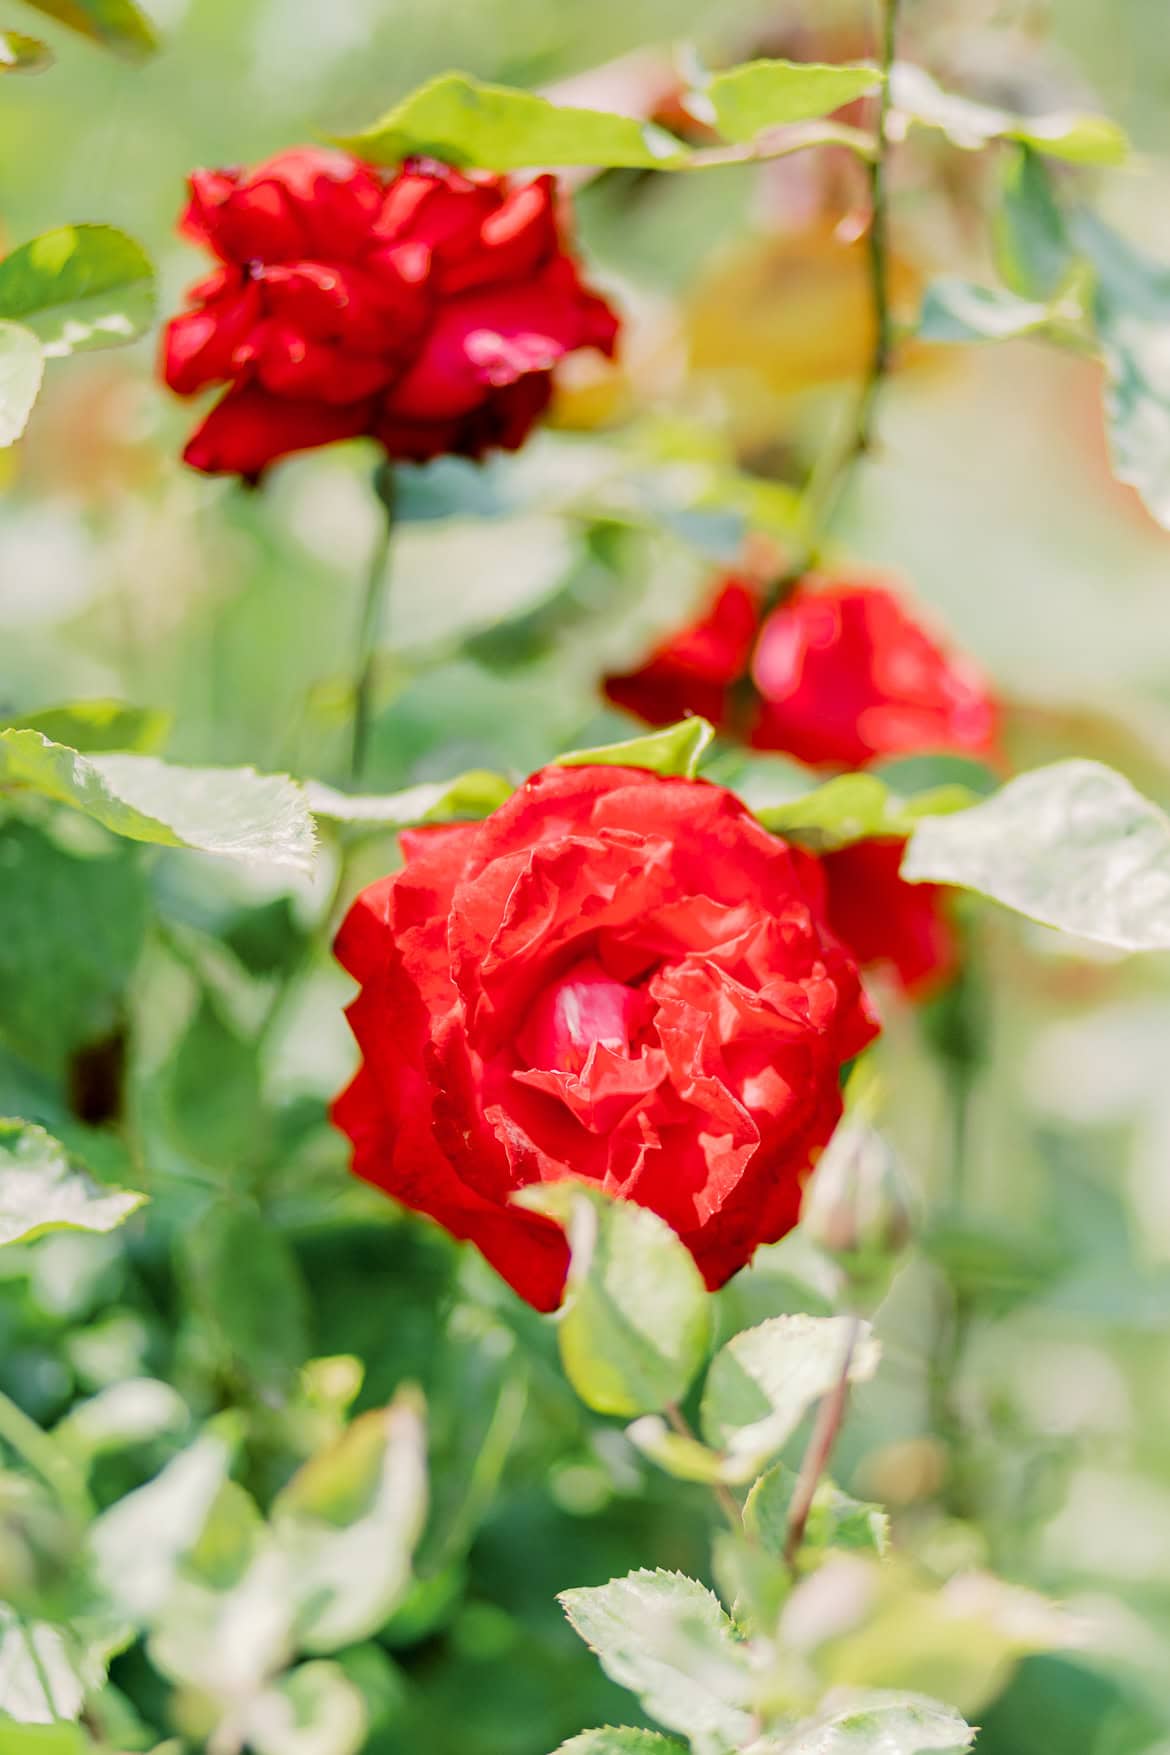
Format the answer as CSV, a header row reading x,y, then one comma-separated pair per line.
x,y
636,1322
51,1739
22,366
765,1380
667,1639
1034,253
745,101
469,797
620,1740
349,1522
1072,845
232,811
313,1710
675,1452
245,1279
892,1723
136,1546
115,24
95,726
954,309
834,1521
131,1412
857,807
79,287
41,1191
464,122
212,1090
1131,310
74,927
1081,139
21,54
675,751
39,1677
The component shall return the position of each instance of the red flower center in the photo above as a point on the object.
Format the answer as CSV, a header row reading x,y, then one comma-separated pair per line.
x,y
583,1008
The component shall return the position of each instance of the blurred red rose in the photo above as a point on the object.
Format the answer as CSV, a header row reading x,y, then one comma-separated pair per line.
x,y
616,976
887,923
427,310
694,672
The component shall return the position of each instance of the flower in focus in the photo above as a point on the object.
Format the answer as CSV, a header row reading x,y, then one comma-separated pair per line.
x,y
427,310
616,976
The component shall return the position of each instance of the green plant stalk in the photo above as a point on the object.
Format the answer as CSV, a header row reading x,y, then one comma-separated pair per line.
x,y
369,623
722,1495
45,1458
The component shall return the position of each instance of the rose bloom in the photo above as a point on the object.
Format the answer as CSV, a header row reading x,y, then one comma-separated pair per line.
x,y
427,310
614,976
843,675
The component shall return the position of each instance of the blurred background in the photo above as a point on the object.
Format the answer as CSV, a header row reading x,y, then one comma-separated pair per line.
x,y
515,587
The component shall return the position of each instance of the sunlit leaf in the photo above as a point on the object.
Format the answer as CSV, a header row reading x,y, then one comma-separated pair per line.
x,y
1082,139
41,1191
468,797
465,122
894,1724
635,1325
96,726
619,1740
39,1676
232,811
21,54
675,751
667,1639
765,1380
834,1521
954,309
744,101
22,365
857,807
1072,845
312,1710
116,24
131,1412
677,1453
79,287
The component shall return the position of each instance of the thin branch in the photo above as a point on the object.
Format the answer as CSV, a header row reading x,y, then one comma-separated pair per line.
x,y
371,615
779,142
820,1449
723,1498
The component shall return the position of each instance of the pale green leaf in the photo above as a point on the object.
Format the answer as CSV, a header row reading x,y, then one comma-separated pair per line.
x,y
856,807
131,1412
21,54
835,1520
954,309
46,1739
745,101
79,287
349,1521
1081,139
464,122
1073,846
667,1639
96,726
469,797
115,24
620,1740
22,366
1033,250
766,1379
39,1676
636,1322
878,1723
677,750
676,1452
41,1191
312,1710
232,811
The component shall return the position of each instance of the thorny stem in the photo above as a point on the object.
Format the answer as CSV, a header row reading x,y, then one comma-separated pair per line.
x,y
371,615
820,1449
723,1498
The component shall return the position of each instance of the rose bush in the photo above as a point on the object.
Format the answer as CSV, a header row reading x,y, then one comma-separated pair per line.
x,y
427,310
616,976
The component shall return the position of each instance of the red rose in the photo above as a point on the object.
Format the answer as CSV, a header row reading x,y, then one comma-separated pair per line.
x,y
886,922
693,672
846,675
615,976
427,310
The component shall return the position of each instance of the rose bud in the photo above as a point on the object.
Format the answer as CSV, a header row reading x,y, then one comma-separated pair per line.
x,y
617,976
427,310
856,1207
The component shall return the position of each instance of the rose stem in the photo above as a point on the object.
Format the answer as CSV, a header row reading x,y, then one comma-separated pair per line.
x,y
371,615
820,1448
724,1499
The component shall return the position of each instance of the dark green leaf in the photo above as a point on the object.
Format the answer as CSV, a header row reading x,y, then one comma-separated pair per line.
x,y
41,1191
116,24
636,1322
245,1280
667,1639
79,287
745,101
213,1090
1073,846
464,122
21,54
22,366
675,751
232,811
1034,253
